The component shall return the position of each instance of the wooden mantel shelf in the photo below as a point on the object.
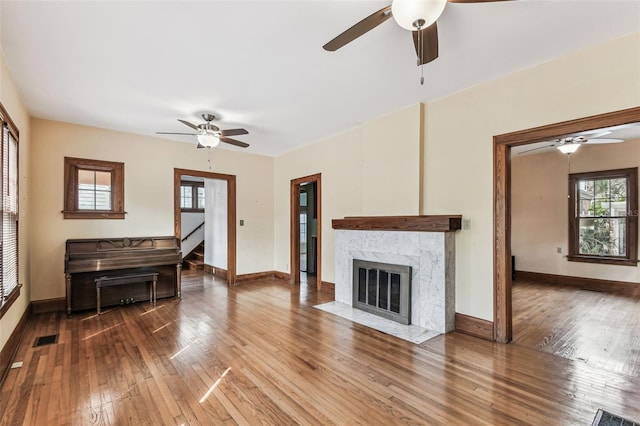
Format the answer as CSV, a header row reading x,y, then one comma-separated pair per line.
x,y
438,223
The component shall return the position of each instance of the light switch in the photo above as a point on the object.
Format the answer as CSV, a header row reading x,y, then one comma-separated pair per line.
x,y
241,222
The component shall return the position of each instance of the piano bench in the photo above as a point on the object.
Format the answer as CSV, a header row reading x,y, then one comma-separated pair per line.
x,y
113,280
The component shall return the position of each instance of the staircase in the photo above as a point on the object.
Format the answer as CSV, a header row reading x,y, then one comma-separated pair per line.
x,y
194,261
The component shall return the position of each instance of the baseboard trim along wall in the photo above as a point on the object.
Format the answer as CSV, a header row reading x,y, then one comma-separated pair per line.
x,y
218,272
256,276
10,349
58,304
474,326
329,288
606,286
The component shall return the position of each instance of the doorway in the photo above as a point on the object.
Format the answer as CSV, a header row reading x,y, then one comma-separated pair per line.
x,y
305,227
178,174
502,267
308,228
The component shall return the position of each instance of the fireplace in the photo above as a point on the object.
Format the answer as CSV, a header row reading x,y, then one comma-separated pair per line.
x,y
425,244
382,289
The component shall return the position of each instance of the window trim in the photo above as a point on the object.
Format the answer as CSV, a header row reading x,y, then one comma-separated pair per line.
x,y
194,196
6,300
71,167
631,258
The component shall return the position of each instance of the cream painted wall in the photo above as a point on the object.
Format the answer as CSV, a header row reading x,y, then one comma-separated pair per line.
x,y
149,164
391,163
539,206
373,169
458,172
10,99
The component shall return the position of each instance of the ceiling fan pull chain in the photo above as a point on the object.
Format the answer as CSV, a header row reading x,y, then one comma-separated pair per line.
x,y
421,48
209,160
569,171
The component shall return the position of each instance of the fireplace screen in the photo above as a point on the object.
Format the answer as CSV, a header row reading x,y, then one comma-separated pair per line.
x,y
382,289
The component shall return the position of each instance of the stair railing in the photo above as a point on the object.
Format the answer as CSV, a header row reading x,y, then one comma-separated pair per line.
x,y
192,232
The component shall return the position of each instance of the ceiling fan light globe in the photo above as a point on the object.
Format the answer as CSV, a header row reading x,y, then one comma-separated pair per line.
x,y
209,140
568,148
408,12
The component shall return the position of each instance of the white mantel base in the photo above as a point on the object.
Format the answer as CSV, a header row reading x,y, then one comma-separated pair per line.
x,y
412,333
431,257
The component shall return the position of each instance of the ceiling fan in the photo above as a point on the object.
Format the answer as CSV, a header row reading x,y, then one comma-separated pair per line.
x,y
209,135
571,143
418,16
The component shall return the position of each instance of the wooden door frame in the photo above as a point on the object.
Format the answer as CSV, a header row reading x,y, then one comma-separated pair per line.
x,y
294,247
502,144
231,212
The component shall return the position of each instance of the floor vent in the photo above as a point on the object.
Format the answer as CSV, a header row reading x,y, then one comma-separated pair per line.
x,y
46,340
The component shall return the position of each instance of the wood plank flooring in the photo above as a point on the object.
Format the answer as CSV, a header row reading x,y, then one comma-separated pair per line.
x,y
260,353
599,329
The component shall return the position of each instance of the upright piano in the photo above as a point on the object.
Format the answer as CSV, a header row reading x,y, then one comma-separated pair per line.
x,y
91,258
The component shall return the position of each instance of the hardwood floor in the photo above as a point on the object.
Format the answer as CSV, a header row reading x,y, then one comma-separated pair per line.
x,y
599,329
259,353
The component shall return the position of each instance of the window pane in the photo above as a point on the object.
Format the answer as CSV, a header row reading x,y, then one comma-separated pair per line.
x,y
86,199
103,179
601,188
601,207
586,187
619,189
186,197
603,237
86,177
201,201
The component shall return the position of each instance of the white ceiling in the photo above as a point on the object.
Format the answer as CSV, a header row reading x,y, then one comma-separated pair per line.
x,y
137,66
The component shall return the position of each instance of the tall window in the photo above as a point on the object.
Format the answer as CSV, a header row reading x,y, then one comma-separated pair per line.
x,y
192,196
9,287
603,222
94,189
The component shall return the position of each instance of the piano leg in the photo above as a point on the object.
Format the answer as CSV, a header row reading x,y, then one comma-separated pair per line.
x,y
67,279
98,299
154,294
179,280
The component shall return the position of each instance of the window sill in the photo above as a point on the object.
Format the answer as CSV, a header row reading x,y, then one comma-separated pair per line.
x,y
603,260
192,210
12,297
75,214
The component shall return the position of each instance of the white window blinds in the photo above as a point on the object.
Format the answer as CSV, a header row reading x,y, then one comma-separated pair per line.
x,y
9,243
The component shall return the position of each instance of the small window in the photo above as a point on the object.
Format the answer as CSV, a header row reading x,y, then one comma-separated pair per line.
x,y
94,189
192,196
603,222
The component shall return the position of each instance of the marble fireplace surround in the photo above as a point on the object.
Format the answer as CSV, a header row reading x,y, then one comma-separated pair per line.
x,y
426,243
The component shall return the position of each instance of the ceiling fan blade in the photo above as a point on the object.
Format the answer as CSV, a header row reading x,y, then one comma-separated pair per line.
x,y
535,149
362,27
199,146
234,132
233,142
602,141
193,126
474,1
173,133
429,44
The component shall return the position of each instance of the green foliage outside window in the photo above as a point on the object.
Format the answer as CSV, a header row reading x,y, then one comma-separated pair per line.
x,y
602,215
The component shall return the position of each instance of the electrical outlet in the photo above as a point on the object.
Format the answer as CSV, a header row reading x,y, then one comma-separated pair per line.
x,y
558,249
16,364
